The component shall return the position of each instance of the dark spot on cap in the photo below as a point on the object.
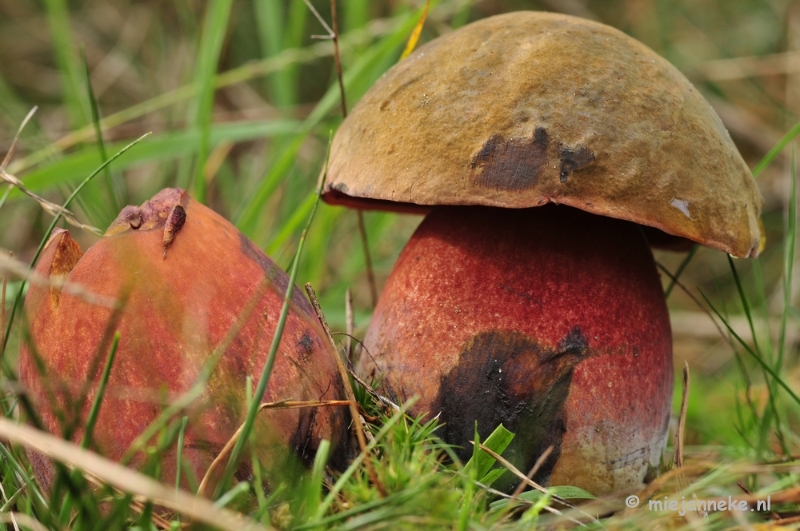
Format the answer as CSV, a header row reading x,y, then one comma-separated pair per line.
x,y
573,159
340,187
305,347
507,377
511,164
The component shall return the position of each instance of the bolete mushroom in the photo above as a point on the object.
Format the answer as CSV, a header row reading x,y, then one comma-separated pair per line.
x,y
550,320
189,283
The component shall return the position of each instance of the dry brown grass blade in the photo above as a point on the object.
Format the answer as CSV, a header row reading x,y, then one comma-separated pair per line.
x,y
749,66
283,404
356,416
371,392
678,459
51,208
11,266
514,470
373,285
536,466
22,519
351,324
125,479
333,34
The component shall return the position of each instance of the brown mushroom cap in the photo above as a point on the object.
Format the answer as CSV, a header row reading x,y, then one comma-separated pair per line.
x,y
528,108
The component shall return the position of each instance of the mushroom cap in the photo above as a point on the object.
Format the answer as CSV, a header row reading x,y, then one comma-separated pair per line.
x,y
529,108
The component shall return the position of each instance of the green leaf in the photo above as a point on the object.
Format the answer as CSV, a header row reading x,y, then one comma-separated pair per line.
x,y
498,441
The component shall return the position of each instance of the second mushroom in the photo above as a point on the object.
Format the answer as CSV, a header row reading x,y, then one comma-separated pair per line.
x,y
549,320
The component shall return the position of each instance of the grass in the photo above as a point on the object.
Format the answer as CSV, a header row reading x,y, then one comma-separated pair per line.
x,y
241,102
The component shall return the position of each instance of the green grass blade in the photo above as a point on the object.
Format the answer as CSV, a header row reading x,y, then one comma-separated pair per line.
x,y
91,420
498,441
745,303
679,271
261,388
68,66
114,194
179,456
356,463
214,30
770,156
753,354
314,485
269,18
790,240
356,14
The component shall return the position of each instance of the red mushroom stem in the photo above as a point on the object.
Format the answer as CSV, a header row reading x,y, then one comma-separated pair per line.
x,y
549,320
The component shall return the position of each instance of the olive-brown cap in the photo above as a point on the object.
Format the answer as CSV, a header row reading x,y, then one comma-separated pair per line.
x,y
528,108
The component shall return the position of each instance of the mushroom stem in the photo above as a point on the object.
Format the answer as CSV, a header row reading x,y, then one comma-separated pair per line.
x,y
550,320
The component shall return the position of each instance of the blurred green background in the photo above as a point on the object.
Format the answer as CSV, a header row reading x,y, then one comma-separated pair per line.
x,y
241,99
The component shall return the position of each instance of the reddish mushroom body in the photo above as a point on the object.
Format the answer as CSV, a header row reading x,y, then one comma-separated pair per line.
x,y
548,320
186,278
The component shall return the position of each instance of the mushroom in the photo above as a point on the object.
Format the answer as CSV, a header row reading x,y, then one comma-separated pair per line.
x,y
550,320
186,278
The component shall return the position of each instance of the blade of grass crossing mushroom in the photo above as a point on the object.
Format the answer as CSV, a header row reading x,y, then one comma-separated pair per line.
x,y
179,456
314,486
46,236
283,404
255,463
199,384
91,420
348,389
253,408
125,479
